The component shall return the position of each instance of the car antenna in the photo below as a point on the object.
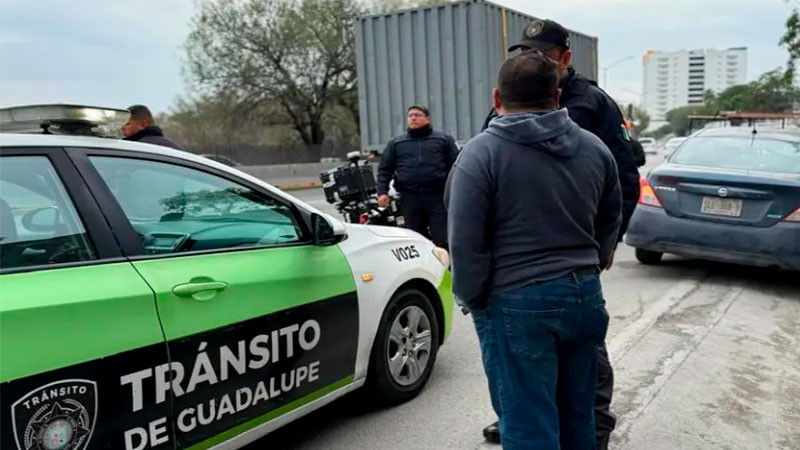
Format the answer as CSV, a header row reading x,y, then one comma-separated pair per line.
x,y
754,133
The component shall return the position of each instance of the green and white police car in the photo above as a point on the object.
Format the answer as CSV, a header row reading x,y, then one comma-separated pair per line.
x,y
154,299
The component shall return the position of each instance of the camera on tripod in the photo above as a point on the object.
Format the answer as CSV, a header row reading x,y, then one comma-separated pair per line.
x,y
352,189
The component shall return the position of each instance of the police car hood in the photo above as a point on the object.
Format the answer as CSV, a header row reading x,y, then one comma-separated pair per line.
x,y
386,232
552,131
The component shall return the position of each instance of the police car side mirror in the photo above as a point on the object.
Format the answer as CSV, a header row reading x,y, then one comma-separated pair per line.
x,y
42,219
325,233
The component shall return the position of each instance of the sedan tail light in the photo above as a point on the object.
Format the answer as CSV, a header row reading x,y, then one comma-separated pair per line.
x,y
793,217
646,194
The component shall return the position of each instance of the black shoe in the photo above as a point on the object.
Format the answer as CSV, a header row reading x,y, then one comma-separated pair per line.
x,y
492,433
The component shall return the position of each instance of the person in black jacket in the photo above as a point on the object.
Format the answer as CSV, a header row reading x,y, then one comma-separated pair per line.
x,y
419,162
593,110
140,127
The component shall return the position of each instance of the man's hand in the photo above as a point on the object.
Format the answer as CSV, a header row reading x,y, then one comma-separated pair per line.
x,y
383,201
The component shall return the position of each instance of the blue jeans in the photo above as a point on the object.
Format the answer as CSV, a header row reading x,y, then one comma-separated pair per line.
x,y
539,352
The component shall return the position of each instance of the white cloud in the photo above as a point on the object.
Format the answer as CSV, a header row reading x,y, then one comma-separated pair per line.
x,y
87,51
121,52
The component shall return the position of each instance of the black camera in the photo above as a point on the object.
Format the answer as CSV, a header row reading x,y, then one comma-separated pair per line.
x,y
351,188
352,182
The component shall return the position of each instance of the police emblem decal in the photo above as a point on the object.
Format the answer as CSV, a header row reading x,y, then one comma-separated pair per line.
x,y
534,28
58,416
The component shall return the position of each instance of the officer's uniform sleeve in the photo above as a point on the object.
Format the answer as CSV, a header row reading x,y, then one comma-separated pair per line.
x,y
386,168
628,181
623,156
609,215
584,117
638,153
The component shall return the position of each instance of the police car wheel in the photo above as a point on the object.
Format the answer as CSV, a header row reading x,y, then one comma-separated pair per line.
x,y
405,348
648,257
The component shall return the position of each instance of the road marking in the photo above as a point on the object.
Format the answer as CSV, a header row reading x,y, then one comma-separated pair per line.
x,y
697,334
622,343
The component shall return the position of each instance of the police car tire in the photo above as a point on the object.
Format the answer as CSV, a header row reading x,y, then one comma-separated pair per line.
x,y
381,387
648,257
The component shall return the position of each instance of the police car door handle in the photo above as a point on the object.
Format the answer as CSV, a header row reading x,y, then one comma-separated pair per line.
x,y
202,291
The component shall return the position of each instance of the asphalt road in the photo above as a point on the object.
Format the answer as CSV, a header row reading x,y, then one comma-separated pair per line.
x,y
705,356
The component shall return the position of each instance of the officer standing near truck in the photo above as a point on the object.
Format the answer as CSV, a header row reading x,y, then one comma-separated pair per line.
x,y
593,110
419,162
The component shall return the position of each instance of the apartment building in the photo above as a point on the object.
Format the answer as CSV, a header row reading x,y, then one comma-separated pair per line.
x,y
675,79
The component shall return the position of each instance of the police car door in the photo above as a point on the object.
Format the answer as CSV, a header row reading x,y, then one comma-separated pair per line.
x,y
75,316
256,317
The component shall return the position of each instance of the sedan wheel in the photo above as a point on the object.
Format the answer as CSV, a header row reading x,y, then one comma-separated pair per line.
x,y
648,257
408,348
405,348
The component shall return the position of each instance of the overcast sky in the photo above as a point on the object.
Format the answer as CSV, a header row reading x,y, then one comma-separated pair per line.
x,y
119,53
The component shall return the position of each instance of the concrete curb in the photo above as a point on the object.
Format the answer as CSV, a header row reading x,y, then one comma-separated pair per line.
x,y
299,185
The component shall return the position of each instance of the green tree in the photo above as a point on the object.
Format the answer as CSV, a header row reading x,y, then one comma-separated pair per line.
x,y
296,55
660,132
791,40
772,92
221,122
732,99
289,60
679,121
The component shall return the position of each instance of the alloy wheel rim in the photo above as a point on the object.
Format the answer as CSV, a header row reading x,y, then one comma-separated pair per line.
x,y
409,345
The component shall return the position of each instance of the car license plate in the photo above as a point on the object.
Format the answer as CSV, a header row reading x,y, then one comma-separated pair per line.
x,y
730,207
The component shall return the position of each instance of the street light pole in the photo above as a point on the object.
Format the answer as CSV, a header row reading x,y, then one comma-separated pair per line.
x,y
605,69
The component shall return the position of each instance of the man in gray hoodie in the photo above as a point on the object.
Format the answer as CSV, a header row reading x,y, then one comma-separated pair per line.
x,y
534,208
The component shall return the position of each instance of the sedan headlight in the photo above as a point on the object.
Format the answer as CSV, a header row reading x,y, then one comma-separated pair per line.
x,y
442,255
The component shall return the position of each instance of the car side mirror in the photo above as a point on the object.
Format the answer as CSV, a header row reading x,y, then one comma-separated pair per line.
x,y
324,232
41,219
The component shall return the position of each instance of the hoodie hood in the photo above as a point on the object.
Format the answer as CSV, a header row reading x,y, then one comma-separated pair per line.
x,y
550,131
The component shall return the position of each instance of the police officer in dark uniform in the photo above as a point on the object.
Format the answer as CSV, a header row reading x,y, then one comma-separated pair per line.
x,y
419,162
593,110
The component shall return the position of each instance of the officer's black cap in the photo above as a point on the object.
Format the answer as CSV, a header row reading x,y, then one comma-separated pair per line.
x,y
543,35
